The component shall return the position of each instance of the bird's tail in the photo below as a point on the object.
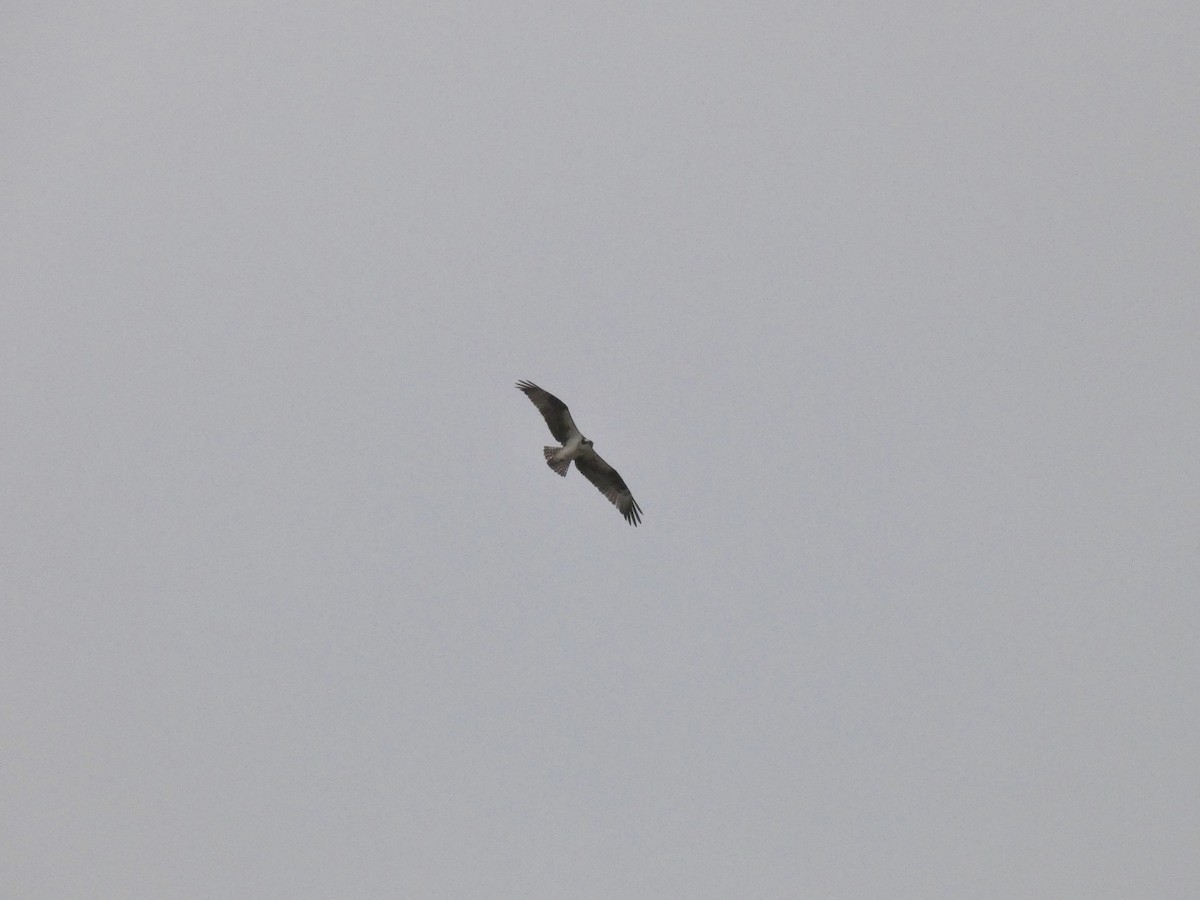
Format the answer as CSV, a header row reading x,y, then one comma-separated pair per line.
x,y
561,465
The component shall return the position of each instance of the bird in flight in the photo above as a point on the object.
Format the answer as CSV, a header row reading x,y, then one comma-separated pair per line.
x,y
576,447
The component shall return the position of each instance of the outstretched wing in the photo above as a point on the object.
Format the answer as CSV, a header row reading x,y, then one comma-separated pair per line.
x,y
553,410
611,484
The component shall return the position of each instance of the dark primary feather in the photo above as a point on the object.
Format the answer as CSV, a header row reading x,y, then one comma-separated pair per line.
x,y
610,483
553,410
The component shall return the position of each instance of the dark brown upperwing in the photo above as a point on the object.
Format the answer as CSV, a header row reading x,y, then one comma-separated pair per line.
x,y
610,483
553,410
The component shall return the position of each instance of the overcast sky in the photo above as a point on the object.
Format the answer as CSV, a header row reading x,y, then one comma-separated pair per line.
x,y
888,313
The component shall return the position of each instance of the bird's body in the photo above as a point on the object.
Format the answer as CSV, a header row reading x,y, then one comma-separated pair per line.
x,y
575,447
559,458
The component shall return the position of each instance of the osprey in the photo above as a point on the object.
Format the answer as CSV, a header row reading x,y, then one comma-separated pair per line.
x,y
576,447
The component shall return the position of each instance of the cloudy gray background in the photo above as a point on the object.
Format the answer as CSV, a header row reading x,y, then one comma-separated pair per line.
x,y
887,312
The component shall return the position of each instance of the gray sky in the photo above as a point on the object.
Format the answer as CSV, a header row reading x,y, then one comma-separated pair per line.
x,y
887,312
